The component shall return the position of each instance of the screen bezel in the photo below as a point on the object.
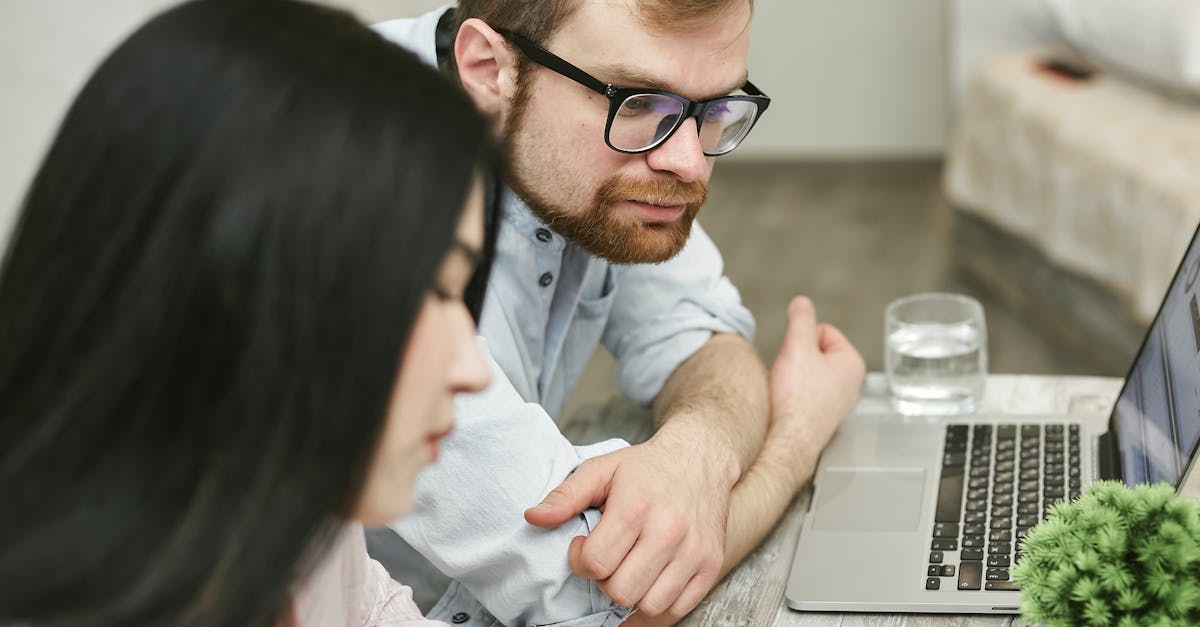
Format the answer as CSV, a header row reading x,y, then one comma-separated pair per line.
x,y
1112,416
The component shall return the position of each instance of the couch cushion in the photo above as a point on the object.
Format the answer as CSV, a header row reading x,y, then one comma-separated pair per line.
x,y
1101,176
1158,40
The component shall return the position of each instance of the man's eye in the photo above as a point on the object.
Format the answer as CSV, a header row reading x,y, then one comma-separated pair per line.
x,y
636,105
718,111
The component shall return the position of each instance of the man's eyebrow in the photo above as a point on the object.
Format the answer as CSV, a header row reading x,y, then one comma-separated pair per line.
x,y
625,76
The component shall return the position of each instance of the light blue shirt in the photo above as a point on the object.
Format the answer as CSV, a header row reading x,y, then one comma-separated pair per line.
x,y
549,304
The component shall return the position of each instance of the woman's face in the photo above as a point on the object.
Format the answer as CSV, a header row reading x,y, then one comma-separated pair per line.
x,y
442,359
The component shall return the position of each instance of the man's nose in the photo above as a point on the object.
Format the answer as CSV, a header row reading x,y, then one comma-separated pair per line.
x,y
681,154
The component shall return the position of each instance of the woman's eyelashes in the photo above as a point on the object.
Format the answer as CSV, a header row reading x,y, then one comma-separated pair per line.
x,y
441,293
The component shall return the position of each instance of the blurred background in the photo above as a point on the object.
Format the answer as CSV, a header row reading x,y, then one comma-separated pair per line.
x,y
1040,155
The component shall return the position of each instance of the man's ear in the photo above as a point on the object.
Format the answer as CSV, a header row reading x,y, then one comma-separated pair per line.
x,y
487,66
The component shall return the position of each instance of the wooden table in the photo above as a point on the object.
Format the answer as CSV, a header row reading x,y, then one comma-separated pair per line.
x,y
753,593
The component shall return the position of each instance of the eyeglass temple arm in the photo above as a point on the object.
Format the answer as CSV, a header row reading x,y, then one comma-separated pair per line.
x,y
545,58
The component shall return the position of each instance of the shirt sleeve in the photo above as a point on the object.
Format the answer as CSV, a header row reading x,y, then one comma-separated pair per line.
x,y
663,313
503,457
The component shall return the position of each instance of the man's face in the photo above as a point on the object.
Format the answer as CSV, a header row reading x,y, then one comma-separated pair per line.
x,y
625,208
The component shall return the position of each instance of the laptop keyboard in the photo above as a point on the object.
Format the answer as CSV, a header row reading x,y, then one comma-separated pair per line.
x,y
997,482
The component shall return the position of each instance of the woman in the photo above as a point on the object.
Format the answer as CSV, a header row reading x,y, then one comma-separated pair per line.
x,y
232,324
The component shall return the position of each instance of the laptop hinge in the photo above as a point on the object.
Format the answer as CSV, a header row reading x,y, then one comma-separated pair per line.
x,y
1107,453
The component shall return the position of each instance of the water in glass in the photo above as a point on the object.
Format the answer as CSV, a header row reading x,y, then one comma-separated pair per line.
x,y
936,367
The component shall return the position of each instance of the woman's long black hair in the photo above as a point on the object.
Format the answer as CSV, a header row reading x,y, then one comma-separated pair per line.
x,y
204,306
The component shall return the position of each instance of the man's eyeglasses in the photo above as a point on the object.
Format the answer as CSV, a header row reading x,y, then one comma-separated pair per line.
x,y
641,119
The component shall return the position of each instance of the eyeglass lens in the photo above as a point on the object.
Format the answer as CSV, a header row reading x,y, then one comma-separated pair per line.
x,y
644,119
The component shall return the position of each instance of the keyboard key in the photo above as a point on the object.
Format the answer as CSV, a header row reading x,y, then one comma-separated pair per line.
x,y
978,484
945,530
970,575
1001,523
1002,511
955,459
1027,497
1004,477
1054,493
1000,536
1027,475
1003,499
971,554
977,505
1000,548
998,561
933,571
933,583
944,544
1027,521
1002,585
997,574
935,557
975,517
1027,509
972,542
949,496
948,570
974,530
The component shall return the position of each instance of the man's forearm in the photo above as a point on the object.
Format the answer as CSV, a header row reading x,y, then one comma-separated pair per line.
x,y
721,391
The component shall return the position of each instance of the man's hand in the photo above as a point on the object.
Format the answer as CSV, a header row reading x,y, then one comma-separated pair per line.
x,y
660,544
813,383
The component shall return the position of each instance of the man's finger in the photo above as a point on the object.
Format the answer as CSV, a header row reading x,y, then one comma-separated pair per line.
x,y
666,589
693,593
642,567
835,345
586,487
801,325
606,546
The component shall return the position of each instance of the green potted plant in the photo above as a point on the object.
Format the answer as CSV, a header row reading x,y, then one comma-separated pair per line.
x,y
1114,556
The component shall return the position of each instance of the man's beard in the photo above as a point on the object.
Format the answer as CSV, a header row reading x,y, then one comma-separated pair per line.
x,y
598,227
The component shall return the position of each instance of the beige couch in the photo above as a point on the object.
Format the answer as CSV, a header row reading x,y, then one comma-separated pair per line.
x,y
1098,180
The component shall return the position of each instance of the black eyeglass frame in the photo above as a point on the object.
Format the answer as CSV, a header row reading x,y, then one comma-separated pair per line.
x,y
618,95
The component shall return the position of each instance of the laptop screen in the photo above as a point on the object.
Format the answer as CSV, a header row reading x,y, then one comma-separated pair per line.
x,y
1157,416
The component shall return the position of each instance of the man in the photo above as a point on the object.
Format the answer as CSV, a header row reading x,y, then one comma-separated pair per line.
x,y
611,113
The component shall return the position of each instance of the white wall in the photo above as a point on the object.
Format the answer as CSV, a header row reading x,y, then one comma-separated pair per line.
x,y
982,28
849,78
47,50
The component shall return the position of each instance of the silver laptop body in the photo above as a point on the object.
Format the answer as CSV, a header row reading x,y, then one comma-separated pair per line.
x,y
867,539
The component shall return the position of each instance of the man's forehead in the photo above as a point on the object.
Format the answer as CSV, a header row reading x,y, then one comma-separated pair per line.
x,y
613,41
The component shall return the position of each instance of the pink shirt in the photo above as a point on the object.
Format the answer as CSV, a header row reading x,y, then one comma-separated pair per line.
x,y
349,589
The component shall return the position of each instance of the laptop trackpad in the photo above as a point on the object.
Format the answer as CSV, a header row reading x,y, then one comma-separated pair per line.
x,y
887,499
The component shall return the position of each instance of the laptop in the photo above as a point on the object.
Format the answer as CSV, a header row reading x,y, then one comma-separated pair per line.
x,y
926,514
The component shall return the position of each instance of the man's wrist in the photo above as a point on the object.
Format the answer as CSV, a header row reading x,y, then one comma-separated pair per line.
x,y
792,458
713,447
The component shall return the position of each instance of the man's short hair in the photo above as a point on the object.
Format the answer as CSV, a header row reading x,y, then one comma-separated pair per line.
x,y
539,19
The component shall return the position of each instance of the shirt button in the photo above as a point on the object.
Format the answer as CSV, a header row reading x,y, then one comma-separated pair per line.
x,y
546,279
460,618
544,235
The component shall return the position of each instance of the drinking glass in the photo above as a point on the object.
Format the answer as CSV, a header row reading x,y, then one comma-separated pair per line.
x,y
935,353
